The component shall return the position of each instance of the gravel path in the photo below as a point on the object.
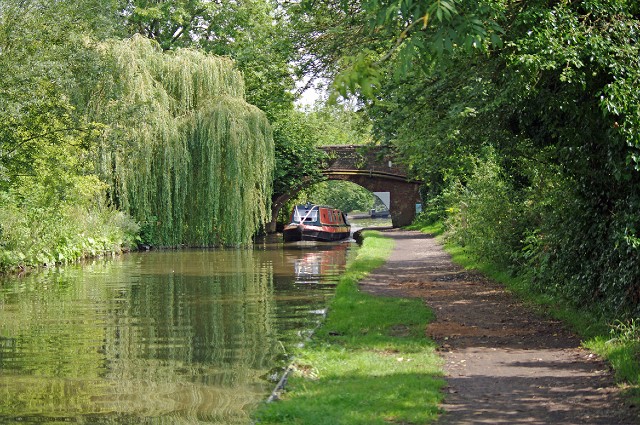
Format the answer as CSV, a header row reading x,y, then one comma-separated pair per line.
x,y
504,364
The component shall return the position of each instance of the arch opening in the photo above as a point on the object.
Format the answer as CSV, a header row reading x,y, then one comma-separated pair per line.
x,y
402,196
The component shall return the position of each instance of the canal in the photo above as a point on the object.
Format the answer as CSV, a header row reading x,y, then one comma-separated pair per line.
x,y
189,336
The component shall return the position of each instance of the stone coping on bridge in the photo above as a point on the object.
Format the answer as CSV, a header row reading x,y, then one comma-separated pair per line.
x,y
364,157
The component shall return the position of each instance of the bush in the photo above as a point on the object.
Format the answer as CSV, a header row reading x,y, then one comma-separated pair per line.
x,y
565,240
486,215
38,229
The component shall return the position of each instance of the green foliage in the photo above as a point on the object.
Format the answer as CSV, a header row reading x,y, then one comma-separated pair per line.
x,y
256,35
37,113
52,207
628,332
487,215
297,134
252,32
426,224
369,363
557,198
573,65
340,125
345,196
41,228
623,350
362,77
62,89
183,153
168,22
297,158
352,42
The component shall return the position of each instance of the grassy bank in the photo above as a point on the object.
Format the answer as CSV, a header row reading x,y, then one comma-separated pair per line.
x,y
618,342
370,363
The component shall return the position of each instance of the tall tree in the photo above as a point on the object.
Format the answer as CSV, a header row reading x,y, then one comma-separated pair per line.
x,y
184,153
352,42
256,34
52,207
549,122
253,32
41,64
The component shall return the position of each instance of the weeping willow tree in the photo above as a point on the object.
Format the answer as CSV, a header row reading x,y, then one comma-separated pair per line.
x,y
183,152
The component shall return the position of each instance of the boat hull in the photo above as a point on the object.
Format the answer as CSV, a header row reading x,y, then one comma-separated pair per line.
x,y
300,233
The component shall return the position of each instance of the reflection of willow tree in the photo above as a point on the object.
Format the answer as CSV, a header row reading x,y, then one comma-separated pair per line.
x,y
208,335
183,338
183,152
41,372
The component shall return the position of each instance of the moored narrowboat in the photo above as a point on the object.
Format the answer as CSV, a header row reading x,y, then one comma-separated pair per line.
x,y
316,223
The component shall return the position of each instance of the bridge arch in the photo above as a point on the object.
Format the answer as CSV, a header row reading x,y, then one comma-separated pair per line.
x,y
372,169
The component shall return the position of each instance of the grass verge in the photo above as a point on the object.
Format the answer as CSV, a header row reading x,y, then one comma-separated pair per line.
x,y
615,341
370,363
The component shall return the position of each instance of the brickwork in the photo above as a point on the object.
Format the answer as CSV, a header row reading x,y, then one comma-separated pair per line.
x,y
404,195
363,158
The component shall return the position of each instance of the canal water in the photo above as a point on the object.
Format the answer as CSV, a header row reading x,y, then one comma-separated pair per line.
x,y
159,337
369,223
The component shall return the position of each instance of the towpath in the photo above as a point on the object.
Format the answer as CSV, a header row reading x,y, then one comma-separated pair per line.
x,y
504,364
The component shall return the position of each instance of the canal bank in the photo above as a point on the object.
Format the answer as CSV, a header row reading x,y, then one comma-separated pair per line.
x,y
503,363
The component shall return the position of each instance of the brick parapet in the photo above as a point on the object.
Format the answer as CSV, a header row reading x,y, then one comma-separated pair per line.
x,y
354,157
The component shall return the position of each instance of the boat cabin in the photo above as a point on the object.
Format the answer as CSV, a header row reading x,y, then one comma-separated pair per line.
x,y
316,222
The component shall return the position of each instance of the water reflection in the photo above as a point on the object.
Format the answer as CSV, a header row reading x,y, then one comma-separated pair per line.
x,y
358,223
312,265
158,337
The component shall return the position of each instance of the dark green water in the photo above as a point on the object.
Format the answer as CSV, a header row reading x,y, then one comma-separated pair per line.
x,y
175,337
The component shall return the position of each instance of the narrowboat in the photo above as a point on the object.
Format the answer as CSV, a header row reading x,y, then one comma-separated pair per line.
x,y
316,223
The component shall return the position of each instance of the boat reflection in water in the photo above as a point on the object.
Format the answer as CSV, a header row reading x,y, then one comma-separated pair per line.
x,y
326,261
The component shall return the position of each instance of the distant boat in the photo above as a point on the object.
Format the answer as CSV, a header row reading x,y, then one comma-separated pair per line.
x,y
316,223
380,214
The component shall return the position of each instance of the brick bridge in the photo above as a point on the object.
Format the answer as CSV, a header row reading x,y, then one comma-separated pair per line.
x,y
371,169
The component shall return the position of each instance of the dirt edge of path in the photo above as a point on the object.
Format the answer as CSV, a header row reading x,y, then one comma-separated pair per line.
x,y
504,363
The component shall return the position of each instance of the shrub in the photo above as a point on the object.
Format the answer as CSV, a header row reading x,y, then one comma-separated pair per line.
x,y
38,229
486,214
